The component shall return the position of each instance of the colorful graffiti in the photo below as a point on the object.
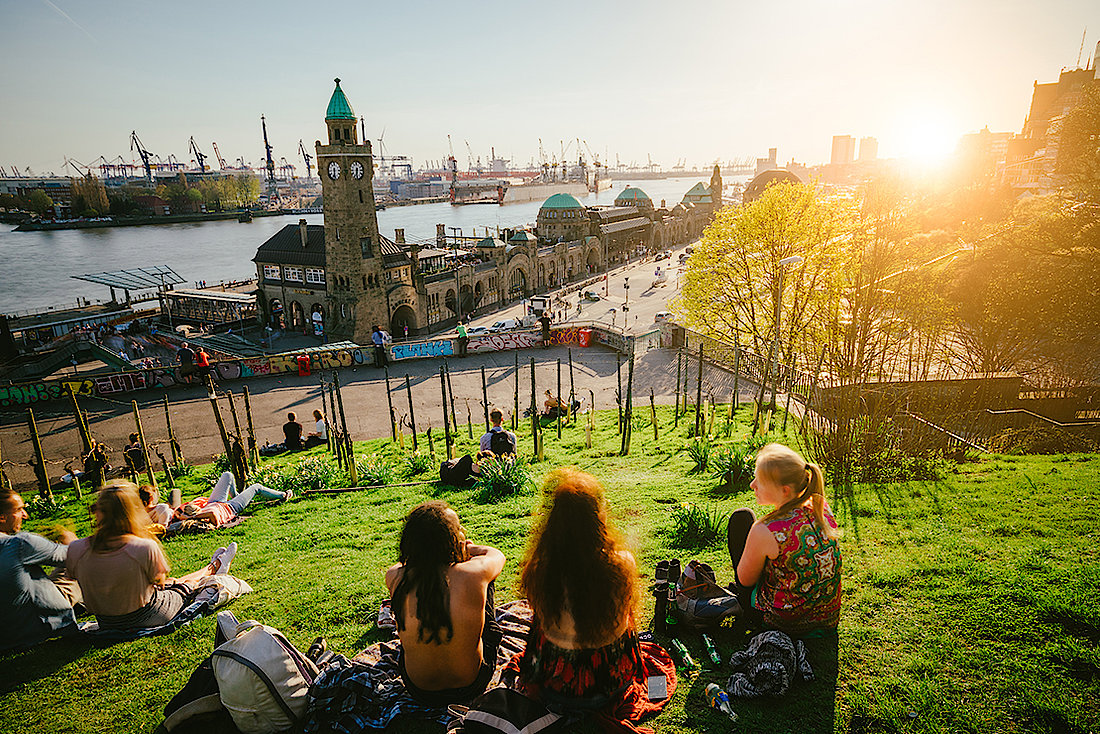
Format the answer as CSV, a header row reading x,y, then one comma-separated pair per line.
x,y
442,348
36,392
572,335
500,342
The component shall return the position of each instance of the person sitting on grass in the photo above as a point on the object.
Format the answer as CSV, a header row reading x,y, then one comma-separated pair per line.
x,y
442,601
122,570
788,562
553,406
225,502
292,433
583,653
498,439
319,435
135,456
159,512
33,606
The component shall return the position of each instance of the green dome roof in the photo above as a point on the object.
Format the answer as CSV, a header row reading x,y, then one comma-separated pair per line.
x,y
490,242
632,194
338,107
523,236
562,201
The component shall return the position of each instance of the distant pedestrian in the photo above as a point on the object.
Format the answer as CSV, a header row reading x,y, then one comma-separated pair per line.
x,y
378,337
463,339
186,357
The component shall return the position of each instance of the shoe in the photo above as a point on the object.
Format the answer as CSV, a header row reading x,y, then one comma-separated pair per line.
x,y
289,495
227,558
319,646
660,575
386,620
215,560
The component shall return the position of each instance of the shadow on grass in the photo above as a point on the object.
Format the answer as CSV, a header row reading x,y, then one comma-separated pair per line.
x,y
40,661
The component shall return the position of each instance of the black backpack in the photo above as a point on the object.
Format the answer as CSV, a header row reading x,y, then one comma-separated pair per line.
x,y
501,443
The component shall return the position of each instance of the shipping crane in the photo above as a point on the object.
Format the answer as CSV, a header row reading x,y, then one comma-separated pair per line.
x,y
306,157
286,169
146,156
272,188
200,158
221,161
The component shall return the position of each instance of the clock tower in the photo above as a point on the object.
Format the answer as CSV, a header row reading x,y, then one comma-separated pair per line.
x,y
353,257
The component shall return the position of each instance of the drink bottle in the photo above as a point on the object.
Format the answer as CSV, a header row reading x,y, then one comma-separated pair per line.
x,y
717,699
712,651
682,653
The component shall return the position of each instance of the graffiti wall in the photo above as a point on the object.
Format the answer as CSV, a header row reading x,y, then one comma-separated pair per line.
x,y
419,350
503,341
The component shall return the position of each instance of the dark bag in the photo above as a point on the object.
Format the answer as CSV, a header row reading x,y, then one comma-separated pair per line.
x,y
502,710
457,472
501,443
699,598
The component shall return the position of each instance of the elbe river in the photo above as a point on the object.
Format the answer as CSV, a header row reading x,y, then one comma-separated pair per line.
x,y
36,268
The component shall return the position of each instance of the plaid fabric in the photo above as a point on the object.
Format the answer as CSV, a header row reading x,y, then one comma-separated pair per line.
x,y
367,692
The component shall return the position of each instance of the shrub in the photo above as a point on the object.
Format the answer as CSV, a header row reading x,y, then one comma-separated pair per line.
x,y
417,463
699,451
1038,439
40,507
313,472
734,466
182,469
694,527
502,477
374,471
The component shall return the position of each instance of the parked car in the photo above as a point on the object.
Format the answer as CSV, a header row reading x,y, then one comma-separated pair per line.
x,y
591,296
662,316
504,325
663,256
475,330
683,256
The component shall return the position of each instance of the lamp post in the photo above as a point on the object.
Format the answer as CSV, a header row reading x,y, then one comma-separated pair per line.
x,y
626,298
793,260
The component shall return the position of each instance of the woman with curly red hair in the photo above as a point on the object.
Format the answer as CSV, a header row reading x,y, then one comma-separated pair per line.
x,y
582,585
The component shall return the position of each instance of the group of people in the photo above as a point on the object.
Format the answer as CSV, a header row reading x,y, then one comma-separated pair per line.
x,y
194,363
581,583
293,432
119,573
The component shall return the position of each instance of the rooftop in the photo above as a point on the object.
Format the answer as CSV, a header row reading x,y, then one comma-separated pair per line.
x,y
632,194
285,247
338,106
562,201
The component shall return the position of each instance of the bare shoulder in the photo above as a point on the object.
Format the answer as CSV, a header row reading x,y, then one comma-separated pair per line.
x,y
393,576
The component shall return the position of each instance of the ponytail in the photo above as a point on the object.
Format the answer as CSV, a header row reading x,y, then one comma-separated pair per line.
x,y
785,467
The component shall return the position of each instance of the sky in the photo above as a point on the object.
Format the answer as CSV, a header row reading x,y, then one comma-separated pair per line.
x,y
635,80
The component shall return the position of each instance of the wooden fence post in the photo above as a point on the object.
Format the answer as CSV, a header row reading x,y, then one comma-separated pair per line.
x,y
353,470
653,416
412,414
559,399
515,407
144,449
679,370
736,376
213,396
85,436
173,444
253,449
699,394
628,427
572,390
5,483
534,411
446,423
451,396
39,459
389,402
485,398
619,390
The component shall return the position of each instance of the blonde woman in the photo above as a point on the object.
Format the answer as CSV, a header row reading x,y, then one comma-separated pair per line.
x,y
788,562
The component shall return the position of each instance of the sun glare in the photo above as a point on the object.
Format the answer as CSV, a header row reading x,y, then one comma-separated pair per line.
x,y
926,137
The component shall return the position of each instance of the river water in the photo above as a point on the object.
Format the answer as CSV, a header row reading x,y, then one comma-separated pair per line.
x,y
36,268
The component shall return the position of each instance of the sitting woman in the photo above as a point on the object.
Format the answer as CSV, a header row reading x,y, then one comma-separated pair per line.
x,y
225,502
583,651
122,570
788,562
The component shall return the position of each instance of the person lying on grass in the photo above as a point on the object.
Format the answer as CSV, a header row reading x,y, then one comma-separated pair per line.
x,y
787,562
442,591
122,570
225,502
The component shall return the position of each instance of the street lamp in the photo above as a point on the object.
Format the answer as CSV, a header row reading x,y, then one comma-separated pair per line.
x,y
626,299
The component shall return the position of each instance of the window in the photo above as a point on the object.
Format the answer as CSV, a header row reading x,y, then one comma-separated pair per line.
x,y
292,273
315,275
365,246
271,272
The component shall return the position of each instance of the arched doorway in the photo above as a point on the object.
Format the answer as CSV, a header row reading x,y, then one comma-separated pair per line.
x,y
317,317
478,294
278,319
593,261
403,323
517,284
450,301
466,299
297,316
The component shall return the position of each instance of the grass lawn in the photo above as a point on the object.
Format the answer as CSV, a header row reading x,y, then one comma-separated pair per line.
x,y
970,603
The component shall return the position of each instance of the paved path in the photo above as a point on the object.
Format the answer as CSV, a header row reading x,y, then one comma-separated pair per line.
x,y
364,392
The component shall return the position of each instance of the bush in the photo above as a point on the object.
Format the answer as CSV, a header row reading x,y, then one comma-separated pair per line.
x,y
40,507
1039,439
373,471
694,527
733,467
502,477
417,463
313,472
699,451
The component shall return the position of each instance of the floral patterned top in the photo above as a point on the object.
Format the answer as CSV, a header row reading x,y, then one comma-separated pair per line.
x,y
596,675
800,588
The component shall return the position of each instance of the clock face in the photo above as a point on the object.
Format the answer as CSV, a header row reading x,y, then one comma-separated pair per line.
x,y
334,170
356,170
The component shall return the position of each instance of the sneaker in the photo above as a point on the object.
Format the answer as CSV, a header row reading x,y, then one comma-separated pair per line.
x,y
227,558
386,620
319,646
215,560
289,495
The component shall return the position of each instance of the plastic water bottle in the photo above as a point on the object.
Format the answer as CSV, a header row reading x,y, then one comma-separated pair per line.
x,y
717,699
681,652
712,651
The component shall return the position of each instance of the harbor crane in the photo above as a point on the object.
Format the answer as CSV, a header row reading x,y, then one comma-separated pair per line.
x,y
286,168
218,153
200,157
272,188
146,156
306,157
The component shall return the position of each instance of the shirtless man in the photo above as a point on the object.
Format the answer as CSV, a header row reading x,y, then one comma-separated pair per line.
x,y
442,601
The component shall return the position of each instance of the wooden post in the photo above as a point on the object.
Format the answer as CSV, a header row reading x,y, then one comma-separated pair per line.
x,y
334,427
736,376
167,470
572,390
679,370
85,437
653,416
39,459
221,429
619,390
353,470
534,411
5,483
389,402
173,444
431,442
559,399
233,413
515,408
485,398
729,413
813,389
469,420
763,387
412,414
591,423
699,394
787,407
144,449
76,484
253,449
628,426
451,396
446,423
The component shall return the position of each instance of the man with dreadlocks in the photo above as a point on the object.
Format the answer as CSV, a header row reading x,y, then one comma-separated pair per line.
x,y
443,604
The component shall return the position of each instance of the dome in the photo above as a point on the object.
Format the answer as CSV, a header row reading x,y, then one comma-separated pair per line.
x,y
338,107
764,180
631,196
562,201
522,237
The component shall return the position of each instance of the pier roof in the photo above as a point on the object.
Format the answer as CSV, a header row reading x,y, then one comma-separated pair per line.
x,y
632,194
338,106
285,247
698,194
562,201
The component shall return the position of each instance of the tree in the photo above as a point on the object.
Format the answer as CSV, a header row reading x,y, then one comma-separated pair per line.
x,y
39,202
1079,145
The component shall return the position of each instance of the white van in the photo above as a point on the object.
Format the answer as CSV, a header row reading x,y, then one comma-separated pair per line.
x,y
662,316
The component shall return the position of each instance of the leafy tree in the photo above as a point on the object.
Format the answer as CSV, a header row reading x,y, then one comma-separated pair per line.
x,y
1079,146
39,202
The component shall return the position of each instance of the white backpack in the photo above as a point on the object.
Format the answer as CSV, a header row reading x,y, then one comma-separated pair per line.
x,y
262,679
